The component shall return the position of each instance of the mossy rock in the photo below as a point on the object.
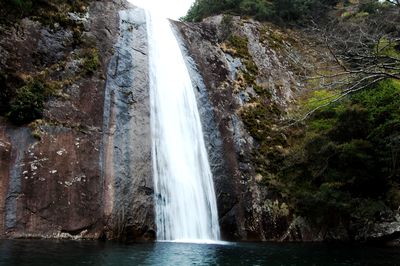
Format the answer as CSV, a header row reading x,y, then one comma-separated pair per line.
x,y
91,60
238,46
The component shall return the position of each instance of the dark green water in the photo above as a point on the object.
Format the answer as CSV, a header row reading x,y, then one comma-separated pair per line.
x,y
39,252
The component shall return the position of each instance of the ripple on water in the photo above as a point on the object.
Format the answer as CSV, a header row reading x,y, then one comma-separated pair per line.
x,y
71,253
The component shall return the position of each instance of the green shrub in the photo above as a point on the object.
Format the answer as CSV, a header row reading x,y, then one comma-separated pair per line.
x,y
204,8
382,102
320,98
28,103
353,123
260,9
347,165
24,6
284,10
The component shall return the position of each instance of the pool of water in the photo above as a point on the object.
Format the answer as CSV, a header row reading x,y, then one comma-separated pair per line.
x,y
46,253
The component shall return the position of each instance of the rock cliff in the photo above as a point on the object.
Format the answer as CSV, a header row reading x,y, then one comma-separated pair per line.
x,y
254,78
234,76
83,170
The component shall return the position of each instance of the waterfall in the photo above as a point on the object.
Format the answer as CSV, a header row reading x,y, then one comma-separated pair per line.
x,y
186,208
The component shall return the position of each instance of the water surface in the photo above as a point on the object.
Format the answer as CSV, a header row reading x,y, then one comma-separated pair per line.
x,y
43,252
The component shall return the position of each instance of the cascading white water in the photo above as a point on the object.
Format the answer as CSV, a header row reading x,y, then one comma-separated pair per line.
x,y
186,207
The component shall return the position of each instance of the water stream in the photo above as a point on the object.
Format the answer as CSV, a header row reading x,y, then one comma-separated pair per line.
x,y
186,209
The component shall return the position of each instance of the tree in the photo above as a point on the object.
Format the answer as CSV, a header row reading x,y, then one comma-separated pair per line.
x,y
365,53
282,10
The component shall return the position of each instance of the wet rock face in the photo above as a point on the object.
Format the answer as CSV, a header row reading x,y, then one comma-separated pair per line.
x,y
225,188
245,213
18,45
217,103
89,175
59,185
127,144
5,159
53,185
56,42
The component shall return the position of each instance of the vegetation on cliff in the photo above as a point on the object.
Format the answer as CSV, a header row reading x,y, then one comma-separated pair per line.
x,y
24,91
284,10
28,102
279,10
337,162
45,11
345,166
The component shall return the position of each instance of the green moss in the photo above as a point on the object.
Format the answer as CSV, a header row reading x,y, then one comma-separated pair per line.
x,y
263,33
275,39
240,46
261,91
259,117
319,98
259,120
51,18
277,209
386,47
255,119
91,61
361,14
35,126
346,14
322,124
251,67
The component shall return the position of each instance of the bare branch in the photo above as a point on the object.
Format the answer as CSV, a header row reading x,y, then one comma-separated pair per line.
x,y
363,54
